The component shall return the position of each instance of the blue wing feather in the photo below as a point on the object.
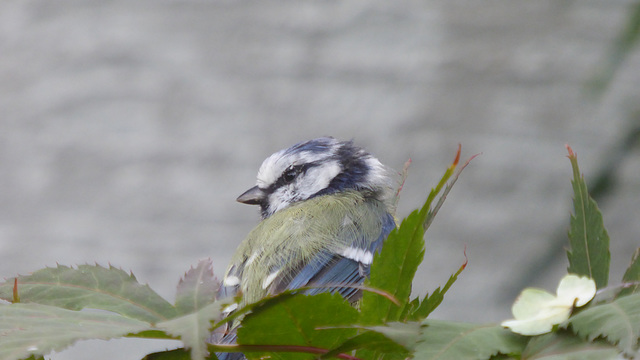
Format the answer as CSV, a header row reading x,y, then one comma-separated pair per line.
x,y
333,269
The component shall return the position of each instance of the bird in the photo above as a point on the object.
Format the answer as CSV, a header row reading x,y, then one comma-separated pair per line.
x,y
326,210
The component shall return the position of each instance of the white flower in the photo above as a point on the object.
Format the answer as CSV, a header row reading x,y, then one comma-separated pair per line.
x,y
536,311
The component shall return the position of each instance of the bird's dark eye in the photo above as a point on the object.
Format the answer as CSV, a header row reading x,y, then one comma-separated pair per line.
x,y
289,175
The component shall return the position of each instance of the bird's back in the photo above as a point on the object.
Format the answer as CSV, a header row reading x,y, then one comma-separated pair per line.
x,y
312,232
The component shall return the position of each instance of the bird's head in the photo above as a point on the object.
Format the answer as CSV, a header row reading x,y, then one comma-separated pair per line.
x,y
316,167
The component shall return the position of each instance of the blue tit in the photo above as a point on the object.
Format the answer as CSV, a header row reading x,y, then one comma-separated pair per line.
x,y
325,212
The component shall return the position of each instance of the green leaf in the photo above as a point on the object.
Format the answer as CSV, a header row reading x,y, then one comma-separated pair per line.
x,y
632,275
371,341
35,329
405,334
417,310
431,302
394,267
393,340
296,322
393,270
431,213
617,321
444,340
194,329
176,354
196,299
589,242
197,288
233,319
451,176
564,346
90,287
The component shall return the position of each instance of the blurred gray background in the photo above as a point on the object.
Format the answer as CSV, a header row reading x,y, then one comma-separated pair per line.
x,y
127,130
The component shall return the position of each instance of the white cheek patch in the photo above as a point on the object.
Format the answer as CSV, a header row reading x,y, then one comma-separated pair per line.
x,y
360,255
308,184
318,178
278,201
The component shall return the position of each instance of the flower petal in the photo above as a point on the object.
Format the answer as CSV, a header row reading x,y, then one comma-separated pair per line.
x,y
578,289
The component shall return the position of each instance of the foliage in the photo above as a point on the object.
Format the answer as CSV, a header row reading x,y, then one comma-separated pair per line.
x,y
563,345
37,329
631,278
589,241
55,307
618,321
450,340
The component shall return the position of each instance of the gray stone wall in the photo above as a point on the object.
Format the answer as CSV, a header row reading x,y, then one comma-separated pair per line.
x,y
127,129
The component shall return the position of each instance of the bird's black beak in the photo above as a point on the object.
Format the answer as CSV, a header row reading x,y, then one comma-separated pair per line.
x,y
253,196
